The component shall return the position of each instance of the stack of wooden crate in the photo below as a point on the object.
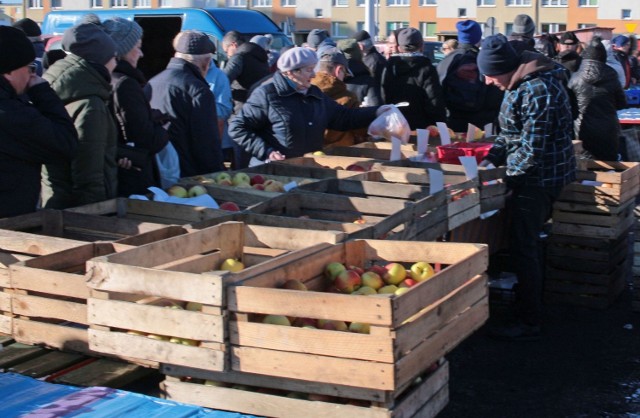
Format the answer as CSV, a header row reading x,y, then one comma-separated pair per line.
x,y
396,369
587,254
635,303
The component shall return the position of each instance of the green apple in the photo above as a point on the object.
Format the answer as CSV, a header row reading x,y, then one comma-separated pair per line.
x,y
241,178
197,190
223,177
372,279
177,191
421,271
332,270
395,274
359,328
276,320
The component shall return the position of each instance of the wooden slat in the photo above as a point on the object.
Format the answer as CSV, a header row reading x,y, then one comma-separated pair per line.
x,y
6,324
104,372
46,281
18,353
32,244
43,307
47,364
62,337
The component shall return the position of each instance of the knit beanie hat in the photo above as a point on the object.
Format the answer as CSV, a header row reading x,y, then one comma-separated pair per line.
x,y
316,37
28,26
497,56
89,41
193,42
410,39
595,51
569,38
361,35
296,58
261,40
16,50
523,26
469,32
125,33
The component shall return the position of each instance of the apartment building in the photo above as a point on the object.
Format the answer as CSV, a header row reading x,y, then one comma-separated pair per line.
x,y
436,19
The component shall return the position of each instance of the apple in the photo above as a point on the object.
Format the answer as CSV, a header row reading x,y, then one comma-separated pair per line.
x,y
232,265
321,398
356,167
258,186
158,337
296,395
273,186
372,279
256,179
401,291
357,269
244,186
187,341
224,182
332,325
230,206
138,333
388,289
294,284
193,306
177,191
223,176
215,383
197,190
175,340
276,320
331,270
408,282
379,270
479,134
365,291
395,273
347,281
421,271
359,328
240,178
319,153
433,131
360,221
305,322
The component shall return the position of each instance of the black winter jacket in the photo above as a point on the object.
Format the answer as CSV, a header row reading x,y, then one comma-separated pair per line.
x,y
138,128
181,92
31,134
247,66
412,78
363,84
599,96
278,118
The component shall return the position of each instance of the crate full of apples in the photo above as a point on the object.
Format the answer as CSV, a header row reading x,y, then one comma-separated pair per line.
x,y
303,319
165,302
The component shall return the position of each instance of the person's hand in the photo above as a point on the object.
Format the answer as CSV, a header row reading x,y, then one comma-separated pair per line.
x,y
126,164
276,156
382,109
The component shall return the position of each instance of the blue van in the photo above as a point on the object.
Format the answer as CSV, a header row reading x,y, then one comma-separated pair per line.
x,y
160,26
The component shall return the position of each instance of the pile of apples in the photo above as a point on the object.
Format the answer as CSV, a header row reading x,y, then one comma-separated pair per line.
x,y
179,191
455,136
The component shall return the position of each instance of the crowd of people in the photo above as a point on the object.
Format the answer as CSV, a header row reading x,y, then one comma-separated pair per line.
x,y
83,125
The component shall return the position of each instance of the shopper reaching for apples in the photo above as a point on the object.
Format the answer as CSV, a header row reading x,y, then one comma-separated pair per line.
x,y
287,116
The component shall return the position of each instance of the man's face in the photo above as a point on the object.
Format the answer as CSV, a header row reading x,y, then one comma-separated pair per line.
x,y
567,47
229,48
500,81
625,48
19,78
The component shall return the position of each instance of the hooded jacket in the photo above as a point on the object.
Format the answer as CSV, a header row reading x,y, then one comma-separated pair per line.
x,y
247,66
535,141
410,77
138,129
33,132
181,92
279,118
599,96
362,83
92,176
337,90
570,59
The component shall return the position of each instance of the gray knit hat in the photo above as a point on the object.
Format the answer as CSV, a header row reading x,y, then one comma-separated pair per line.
x,y
523,25
89,41
296,58
125,33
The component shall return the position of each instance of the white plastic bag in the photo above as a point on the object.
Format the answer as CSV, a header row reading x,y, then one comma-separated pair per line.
x,y
391,123
168,165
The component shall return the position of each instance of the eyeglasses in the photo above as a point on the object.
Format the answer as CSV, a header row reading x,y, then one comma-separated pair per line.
x,y
33,68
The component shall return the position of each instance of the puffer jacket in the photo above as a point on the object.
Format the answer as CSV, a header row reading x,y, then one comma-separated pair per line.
x,y
92,176
278,118
535,141
599,96
32,133
410,77
247,66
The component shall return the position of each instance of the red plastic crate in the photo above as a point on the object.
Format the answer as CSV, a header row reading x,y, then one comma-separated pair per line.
x,y
449,154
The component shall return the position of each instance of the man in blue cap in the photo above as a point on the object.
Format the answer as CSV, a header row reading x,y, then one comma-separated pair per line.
x,y
621,45
535,145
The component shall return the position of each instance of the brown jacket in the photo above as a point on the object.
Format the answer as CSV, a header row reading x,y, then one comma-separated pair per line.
x,y
337,90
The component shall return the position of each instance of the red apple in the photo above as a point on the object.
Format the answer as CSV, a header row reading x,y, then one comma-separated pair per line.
x,y
407,283
357,269
395,274
379,270
257,179
356,167
372,279
258,186
230,206
347,281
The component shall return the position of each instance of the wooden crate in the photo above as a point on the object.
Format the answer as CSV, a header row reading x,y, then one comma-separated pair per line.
x,y
593,221
182,269
374,150
306,169
620,183
491,181
374,217
77,226
424,399
334,162
408,333
19,246
148,211
589,255
48,294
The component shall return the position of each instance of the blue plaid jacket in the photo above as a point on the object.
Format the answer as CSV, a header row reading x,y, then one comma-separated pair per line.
x,y
535,142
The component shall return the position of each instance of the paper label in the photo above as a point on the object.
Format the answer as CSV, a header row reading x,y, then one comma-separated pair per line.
x,y
470,165
445,138
289,186
488,129
396,154
436,181
423,140
471,132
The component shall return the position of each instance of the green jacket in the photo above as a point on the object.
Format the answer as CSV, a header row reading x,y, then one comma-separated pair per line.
x,y
92,175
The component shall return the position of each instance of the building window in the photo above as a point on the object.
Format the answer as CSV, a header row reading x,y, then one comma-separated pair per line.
x,y
119,3
96,4
428,29
626,13
508,28
166,3
587,3
141,3
340,3
553,27
56,4
462,12
261,3
586,25
486,2
288,3
397,2
236,3
35,4
319,14
518,2
339,29
391,26
428,2
548,3
359,26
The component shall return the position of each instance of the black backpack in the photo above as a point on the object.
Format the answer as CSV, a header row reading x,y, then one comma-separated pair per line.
x,y
464,89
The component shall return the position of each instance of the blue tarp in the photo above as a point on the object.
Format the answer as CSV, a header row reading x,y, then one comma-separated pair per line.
x,y
22,396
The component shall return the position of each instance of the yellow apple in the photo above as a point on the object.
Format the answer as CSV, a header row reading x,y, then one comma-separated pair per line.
x,y
388,289
294,284
372,279
318,153
401,291
197,190
232,265
332,270
359,328
395,274
276,320
421,271
365,291
177,191
193,306
332,325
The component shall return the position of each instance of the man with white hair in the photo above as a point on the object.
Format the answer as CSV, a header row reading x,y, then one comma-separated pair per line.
x,y
182,92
